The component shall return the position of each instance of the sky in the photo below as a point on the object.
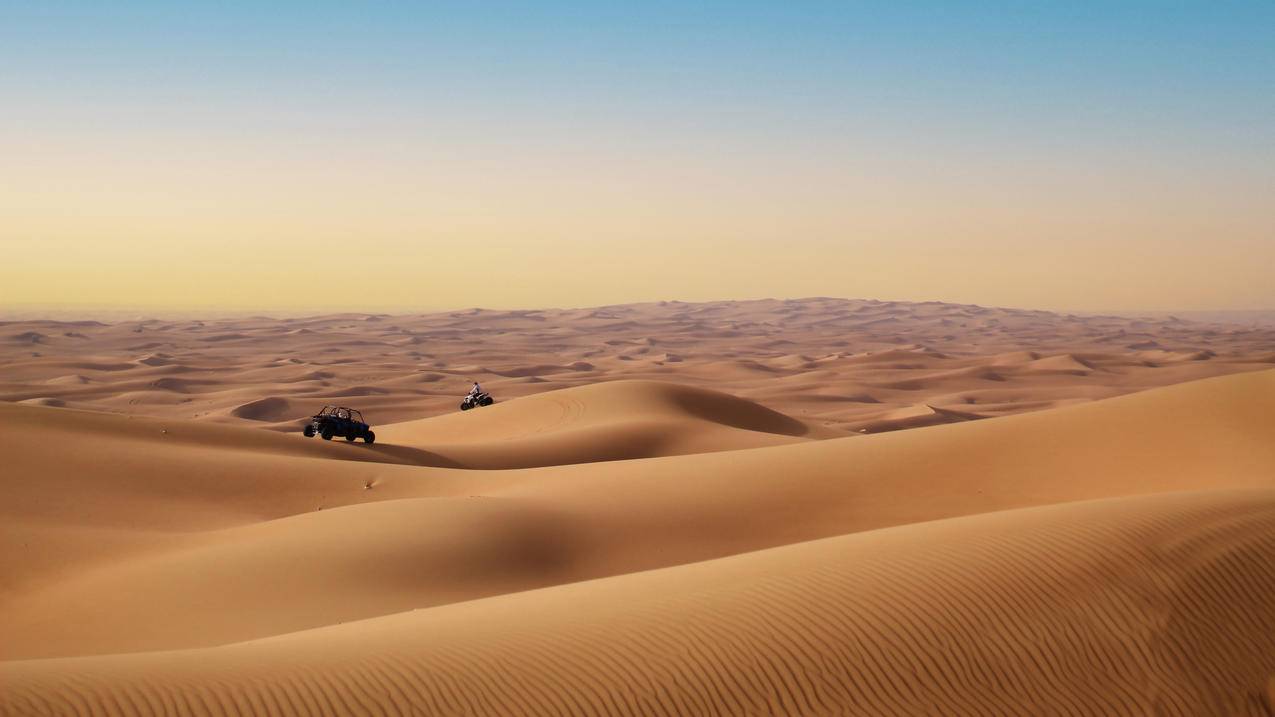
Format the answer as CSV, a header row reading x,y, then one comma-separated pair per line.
x,y
400,155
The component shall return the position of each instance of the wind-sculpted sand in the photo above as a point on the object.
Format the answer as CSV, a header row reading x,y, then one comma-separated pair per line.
x,y
856,366
1153,605
663,544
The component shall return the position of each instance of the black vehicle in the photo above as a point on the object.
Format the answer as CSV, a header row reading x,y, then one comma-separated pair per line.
x,y
339,421
478,399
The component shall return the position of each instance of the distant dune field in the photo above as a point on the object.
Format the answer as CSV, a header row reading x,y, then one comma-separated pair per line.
x,y
852,366
672,509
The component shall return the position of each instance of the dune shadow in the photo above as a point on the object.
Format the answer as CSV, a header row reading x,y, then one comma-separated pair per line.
x,y
413,456
394,455
735,412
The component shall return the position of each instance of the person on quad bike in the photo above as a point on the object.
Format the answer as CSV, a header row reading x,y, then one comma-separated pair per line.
x,y
475,398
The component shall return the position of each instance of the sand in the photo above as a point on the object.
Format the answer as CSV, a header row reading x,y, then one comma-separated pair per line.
x,y
852,366
638,537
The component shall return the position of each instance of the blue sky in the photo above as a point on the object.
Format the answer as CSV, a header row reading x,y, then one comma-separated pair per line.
x,y
1196,66
1165,99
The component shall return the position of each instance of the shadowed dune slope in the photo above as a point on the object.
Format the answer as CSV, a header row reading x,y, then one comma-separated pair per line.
x,y
601,422
1154,604
222,543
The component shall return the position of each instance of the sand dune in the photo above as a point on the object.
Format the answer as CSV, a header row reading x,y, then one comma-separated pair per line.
x,y
950,617
777,353
271,408
601,422
645,545
583,521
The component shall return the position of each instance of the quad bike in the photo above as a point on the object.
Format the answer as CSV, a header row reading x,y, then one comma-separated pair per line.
x,y
480,399
339,421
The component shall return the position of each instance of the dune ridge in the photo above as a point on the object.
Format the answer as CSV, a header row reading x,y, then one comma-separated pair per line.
x,y
609,421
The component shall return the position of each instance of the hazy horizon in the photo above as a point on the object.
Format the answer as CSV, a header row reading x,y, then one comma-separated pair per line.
x,y
238,158
109,313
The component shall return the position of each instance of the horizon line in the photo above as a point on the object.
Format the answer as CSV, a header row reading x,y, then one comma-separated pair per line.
x,y
64,311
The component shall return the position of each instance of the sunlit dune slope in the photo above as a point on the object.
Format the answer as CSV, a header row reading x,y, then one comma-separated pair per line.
x,y
80,490
601,422
1154,604
96,469
50,430
238,544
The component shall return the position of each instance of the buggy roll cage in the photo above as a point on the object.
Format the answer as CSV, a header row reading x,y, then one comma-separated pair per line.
x,y
334,411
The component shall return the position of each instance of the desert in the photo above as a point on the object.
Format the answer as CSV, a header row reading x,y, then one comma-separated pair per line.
x,y
820,506
569,358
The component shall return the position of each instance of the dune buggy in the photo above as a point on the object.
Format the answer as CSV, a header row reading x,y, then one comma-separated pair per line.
x,y
339,421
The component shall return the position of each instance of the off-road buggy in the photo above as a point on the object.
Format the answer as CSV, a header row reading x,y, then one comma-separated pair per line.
x,y
339,421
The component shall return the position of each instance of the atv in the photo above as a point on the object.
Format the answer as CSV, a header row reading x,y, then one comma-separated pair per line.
x,y
472,400
339,421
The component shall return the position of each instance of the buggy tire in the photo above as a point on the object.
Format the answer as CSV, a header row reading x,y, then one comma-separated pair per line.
x,y
369,438
350,437
308,431
327,434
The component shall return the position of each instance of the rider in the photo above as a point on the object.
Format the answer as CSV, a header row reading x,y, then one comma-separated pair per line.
x,y
475,391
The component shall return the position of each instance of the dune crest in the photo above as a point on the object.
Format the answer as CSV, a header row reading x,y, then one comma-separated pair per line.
x,y
601,422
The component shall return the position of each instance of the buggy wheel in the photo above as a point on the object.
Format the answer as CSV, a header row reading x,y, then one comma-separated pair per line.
x,y
327,433
369,438
308,431
350,437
